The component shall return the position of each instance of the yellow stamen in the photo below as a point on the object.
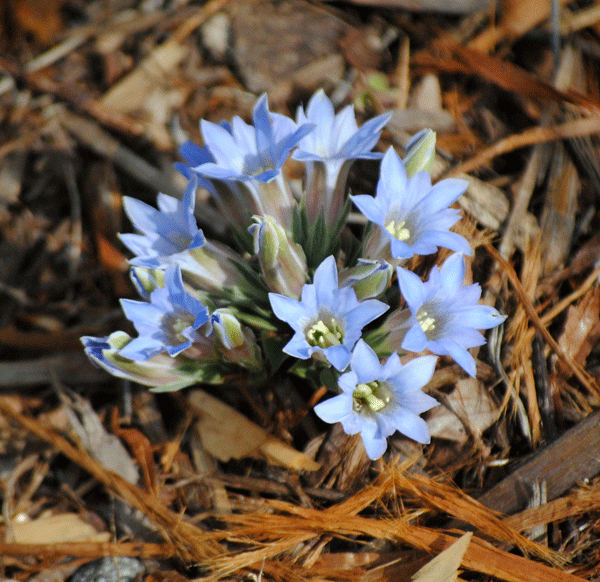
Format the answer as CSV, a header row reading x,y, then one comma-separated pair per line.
x,y
397,230
324,336
367,394
427,323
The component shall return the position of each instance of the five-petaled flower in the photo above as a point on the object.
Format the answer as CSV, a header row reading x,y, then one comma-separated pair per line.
x,y
327,320
169,322
164,233
411,215
445,314
379,399
329,150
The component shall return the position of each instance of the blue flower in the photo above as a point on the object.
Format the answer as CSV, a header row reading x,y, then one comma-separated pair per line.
x,y
167,231
328,152
379,399
327,320
168,323
161,372
445,314
336,138
243,152
413,217
243,163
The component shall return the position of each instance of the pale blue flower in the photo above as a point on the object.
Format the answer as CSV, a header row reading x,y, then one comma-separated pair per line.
x,y
328,152
162,372
380,399
327,321
243,163
413,216
244,152
168,323
336,138
445,314
164,232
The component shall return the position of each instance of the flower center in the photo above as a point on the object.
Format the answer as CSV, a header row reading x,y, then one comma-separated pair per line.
x,y
324,335
254,165
398,230
174,324
426,322
373,395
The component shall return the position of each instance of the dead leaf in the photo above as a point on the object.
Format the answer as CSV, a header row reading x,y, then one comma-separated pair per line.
x,y
227,434
444,567
468,402
581,332
106,448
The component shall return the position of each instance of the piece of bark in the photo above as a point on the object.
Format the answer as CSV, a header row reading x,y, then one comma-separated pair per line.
x,y
571,458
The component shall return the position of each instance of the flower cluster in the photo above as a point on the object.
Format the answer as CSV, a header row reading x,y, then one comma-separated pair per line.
x,y
295,280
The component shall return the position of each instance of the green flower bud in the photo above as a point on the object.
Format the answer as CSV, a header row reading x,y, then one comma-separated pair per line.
x,y
369,278
282,261
420,152
235,342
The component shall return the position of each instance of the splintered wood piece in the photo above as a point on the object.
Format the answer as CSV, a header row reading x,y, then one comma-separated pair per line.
x,y
571,458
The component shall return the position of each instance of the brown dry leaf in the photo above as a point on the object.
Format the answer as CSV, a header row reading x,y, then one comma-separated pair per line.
x,y
470,403
581,331
227,434
141,447
52,529
106,448
454,7
444,568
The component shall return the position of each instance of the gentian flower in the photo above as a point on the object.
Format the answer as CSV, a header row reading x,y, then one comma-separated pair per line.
x,y
169,323
327,320
445,314
412,216
328,152
252,155
161,372
164,232
379,399
170,236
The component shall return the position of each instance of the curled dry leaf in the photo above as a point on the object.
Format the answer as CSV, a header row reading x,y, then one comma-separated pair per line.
x,y
227,434
582,328
444,567
469,404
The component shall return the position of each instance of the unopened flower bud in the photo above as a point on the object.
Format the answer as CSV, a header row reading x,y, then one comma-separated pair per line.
x,y
420,152
236,342
146,280
369,278
282,261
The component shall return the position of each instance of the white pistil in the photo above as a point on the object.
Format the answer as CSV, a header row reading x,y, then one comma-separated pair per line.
x,y
398,230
